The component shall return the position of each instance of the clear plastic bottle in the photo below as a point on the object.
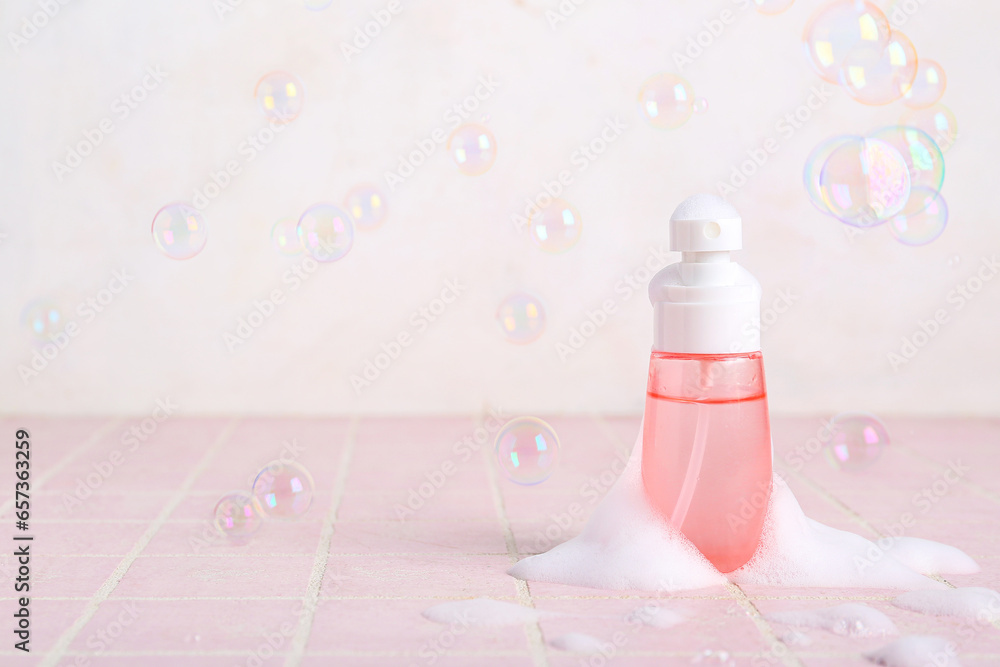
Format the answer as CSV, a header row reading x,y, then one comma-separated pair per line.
x,y
706,449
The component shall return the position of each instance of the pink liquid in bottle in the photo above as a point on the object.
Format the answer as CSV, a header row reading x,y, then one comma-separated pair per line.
x,y
706,450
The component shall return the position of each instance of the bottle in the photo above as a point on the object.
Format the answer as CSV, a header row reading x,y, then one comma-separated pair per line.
x,y
706,442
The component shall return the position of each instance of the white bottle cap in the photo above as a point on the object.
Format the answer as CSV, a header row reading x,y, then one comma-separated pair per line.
x,y
705,304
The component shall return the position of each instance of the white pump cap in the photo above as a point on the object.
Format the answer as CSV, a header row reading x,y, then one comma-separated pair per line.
x,y
705,304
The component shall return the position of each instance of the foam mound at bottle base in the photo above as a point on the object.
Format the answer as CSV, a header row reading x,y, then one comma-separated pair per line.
x,y
626,545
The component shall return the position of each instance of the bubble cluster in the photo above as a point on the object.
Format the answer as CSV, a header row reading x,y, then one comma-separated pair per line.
x,y
922,220
840,29
857,440
326,232
179,230
927,87
557,227
367,206
280,96
236,517
666,101
521,318
473,148
864,182
42,318
772,6
283,490
285,237
878,74
527,450
936,120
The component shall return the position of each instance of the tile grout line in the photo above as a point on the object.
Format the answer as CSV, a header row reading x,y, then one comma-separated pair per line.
x,y
92,439
311,597
532,629
788,657
926,460
53,655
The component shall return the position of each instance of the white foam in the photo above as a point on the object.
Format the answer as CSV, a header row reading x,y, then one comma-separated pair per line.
x,y
847,620
656,616
916,651
980,604
627,545
577,642
927,557
481,612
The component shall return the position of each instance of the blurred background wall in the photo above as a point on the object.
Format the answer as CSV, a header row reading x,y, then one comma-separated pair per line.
x,y
561,77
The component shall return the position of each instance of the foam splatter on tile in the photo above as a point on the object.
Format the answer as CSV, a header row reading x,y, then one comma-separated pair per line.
x,y
847,620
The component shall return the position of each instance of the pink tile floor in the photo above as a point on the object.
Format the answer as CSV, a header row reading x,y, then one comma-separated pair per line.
x,y
132,575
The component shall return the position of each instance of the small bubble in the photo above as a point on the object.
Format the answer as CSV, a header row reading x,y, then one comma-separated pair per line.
x,y
326,232
236,517
179,230
857,439
367,206
556,227
283,490
280,96
285,237
473,149
922,220
527,450
521,318
700,105
666,101
42,318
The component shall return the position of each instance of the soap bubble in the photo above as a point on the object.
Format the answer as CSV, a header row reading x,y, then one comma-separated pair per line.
x,y
927,87
179,230
326,232
42,318
814,167
865,182
367,206
837,29
700,105
280,96
473,148
556,227
922,220
521,317
236,517
772,6
857,440
283,490
937,121
285,237
666,101
878,74
923,158
527,450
